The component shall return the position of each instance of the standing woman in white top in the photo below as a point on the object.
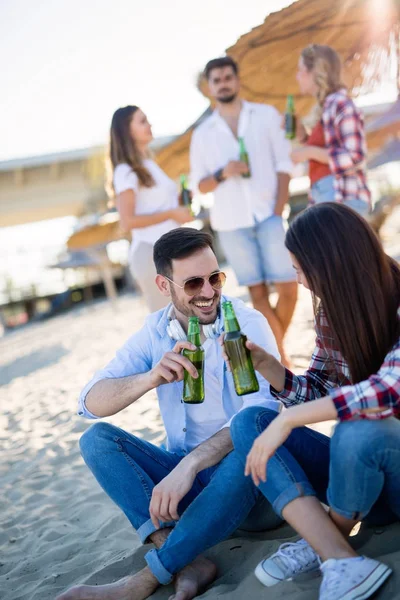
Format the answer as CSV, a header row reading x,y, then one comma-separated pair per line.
x,y
146,199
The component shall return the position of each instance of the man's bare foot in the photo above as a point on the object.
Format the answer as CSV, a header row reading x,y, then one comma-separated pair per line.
x,y
136,587
192,580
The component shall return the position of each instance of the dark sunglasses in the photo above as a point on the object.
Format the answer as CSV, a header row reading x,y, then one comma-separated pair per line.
x,y
193,286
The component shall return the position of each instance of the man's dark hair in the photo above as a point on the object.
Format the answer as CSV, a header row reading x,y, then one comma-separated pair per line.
x,y
219,63
176,244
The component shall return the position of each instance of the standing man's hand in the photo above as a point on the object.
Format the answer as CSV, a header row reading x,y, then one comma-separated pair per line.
x,y
235,168
278,211
169,492
282,193
172,366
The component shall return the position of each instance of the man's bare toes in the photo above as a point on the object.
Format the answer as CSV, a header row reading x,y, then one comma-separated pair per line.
x,y
193,579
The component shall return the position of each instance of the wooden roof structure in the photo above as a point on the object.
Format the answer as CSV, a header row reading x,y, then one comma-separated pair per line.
x,y
364,32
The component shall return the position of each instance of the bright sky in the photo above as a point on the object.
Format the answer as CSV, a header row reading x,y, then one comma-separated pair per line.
x,y
68,64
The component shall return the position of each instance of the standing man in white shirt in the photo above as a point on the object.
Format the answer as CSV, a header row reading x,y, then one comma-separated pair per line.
x,y
247,211
193,494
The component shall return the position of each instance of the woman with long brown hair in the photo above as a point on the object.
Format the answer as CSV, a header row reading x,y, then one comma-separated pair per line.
x,y
354,377
333,135
146,198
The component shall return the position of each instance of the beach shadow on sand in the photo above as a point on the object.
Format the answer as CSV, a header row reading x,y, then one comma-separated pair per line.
x,y
34,361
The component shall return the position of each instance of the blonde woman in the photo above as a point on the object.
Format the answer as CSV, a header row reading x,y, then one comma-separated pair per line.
x,y
335,147
146,198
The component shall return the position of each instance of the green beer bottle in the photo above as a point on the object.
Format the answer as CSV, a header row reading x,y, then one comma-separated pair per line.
x,y
290,119
185,193
193,389
244,157
244,377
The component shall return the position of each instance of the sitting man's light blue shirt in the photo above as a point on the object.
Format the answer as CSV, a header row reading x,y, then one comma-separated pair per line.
x,y
145,349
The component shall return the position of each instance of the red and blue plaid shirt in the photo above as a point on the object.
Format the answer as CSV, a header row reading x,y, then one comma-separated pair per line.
x,y
345,141
329,375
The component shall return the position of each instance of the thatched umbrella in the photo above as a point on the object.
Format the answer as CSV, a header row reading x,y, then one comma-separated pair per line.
x,y
94,239
364,32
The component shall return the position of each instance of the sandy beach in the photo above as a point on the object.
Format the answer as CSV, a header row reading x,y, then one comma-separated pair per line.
x,y
58,528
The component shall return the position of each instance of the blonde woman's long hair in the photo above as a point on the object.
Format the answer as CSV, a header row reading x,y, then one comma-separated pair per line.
x,y
325,64
122,149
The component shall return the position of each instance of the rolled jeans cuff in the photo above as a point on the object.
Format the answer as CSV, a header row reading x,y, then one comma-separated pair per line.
x,y
157,568
296,490
347,514
148,528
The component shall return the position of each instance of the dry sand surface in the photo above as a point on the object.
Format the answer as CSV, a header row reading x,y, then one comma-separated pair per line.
x,y
58,528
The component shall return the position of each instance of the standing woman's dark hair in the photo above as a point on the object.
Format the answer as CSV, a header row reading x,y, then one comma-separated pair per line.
x,y
352,279
123,148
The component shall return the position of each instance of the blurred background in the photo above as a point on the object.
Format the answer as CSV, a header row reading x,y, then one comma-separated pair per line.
x,y
68,65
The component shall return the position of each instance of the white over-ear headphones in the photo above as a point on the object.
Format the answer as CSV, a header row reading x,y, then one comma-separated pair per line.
x,y
175,330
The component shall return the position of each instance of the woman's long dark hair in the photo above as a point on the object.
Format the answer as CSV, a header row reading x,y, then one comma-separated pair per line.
x,y
123,148
355,282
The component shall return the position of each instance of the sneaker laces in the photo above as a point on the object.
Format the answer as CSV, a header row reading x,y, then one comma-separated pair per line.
x,y
294,556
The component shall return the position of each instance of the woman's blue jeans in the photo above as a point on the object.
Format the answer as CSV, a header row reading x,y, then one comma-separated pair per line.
x,y
357,471
221,498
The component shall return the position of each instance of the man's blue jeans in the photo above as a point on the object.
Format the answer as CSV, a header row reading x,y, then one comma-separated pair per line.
x,y
357,472
128,468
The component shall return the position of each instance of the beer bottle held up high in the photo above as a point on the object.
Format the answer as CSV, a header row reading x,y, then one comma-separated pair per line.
x,y
290,119
244,157
193,389
244,376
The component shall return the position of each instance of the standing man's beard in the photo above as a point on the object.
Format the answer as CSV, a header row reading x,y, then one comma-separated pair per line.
x,y
227,99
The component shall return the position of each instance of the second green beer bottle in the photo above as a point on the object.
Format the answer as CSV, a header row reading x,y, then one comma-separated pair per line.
x,y
244,376
244,157
193,389
290,119
185,193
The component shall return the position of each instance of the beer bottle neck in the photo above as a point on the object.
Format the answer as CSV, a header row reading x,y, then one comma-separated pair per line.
x,y
242,146
193,335
290,104
183,182
230,320
231,324
194,338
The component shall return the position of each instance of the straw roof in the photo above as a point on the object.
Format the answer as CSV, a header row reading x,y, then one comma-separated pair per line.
x,y
106,230
362,31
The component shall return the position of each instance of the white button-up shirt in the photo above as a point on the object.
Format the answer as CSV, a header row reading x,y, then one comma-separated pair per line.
x,y
238,201
186,427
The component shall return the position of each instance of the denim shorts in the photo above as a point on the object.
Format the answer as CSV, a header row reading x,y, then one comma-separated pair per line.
x,y
258,254
323,191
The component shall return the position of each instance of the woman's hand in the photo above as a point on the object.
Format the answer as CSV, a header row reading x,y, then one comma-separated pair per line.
x,y
265,446
266,364
259,356
300,155
181,215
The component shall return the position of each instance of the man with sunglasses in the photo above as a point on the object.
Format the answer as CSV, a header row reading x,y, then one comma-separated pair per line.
x,y
193,494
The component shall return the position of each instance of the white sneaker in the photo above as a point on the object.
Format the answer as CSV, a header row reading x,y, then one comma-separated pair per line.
x,y
290,560
352,578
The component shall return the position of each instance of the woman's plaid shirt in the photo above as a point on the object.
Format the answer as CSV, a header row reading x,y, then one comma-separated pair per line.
x,y
345,141
328,375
